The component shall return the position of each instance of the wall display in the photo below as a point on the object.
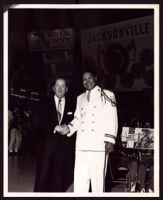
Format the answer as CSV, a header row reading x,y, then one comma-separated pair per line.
x,y
138,137
124,50
57,48
51,39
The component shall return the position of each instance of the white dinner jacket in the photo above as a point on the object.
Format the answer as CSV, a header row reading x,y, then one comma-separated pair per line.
x,y
95,121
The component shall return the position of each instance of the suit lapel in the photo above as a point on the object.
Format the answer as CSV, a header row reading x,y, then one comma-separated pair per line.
x,y
65,111
54,110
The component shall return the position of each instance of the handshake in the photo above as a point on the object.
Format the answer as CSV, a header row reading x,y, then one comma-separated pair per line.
x,y
62,129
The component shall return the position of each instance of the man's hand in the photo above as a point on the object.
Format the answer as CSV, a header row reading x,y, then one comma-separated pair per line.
x,y
108,147
57,129
63,129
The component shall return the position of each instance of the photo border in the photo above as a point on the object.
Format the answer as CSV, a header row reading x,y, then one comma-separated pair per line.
x,y
156,97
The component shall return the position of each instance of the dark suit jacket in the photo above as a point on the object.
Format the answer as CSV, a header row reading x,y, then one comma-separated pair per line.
x,y
49,143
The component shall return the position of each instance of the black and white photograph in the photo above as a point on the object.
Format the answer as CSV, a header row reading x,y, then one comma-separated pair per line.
x,y
81,100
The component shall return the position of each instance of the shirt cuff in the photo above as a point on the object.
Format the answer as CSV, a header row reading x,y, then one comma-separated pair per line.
x,y
72,131
110,138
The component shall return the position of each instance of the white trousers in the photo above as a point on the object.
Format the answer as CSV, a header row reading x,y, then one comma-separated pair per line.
x,y
89,167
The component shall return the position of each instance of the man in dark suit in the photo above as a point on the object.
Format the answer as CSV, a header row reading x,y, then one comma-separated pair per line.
x,y
55,162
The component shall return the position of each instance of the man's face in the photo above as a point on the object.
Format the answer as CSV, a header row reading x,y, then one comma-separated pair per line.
x,y
60,88
89,81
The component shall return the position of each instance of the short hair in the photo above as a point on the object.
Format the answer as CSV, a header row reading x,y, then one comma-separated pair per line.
x,y
60,78
93,72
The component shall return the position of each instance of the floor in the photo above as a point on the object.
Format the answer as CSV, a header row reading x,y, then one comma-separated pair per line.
x,y
21,173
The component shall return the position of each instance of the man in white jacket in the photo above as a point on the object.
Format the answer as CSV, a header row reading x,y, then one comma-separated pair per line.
x,y
95,121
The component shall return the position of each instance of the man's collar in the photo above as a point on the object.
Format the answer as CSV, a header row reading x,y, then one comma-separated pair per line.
x,y
57,99
95,89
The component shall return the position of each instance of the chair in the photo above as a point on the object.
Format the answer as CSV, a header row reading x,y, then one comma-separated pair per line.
x,y
121,177
119,174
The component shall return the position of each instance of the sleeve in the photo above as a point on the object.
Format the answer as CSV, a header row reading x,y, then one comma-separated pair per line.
x,y
45,122
75,123
112,120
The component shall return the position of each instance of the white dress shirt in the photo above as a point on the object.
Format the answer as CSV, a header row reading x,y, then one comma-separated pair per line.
x,y
62,104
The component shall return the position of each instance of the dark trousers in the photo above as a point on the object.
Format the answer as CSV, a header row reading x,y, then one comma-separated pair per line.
x,y
143,174
54,173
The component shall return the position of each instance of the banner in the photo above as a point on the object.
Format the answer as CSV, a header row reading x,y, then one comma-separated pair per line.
x,y
121,53
51,39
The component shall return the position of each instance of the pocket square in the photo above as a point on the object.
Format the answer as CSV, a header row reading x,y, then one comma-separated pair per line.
x,y
69,113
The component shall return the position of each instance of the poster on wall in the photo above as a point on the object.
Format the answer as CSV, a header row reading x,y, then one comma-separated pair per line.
x,y
57,48
121,53
51,39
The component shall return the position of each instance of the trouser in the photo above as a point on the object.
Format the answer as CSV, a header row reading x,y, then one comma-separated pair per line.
x,y
89,167
15,139
54,173
133,171
147,162
143,174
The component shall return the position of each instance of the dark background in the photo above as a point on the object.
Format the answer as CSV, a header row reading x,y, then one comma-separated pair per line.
x,y
130,104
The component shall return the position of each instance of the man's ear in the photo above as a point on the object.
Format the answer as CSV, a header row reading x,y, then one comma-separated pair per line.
x,y
66,89
96,78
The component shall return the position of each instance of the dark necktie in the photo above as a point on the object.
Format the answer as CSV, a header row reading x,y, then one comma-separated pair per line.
x,y
59,111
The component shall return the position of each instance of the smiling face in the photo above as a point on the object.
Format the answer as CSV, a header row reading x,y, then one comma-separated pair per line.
x,y
89,80
60,88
